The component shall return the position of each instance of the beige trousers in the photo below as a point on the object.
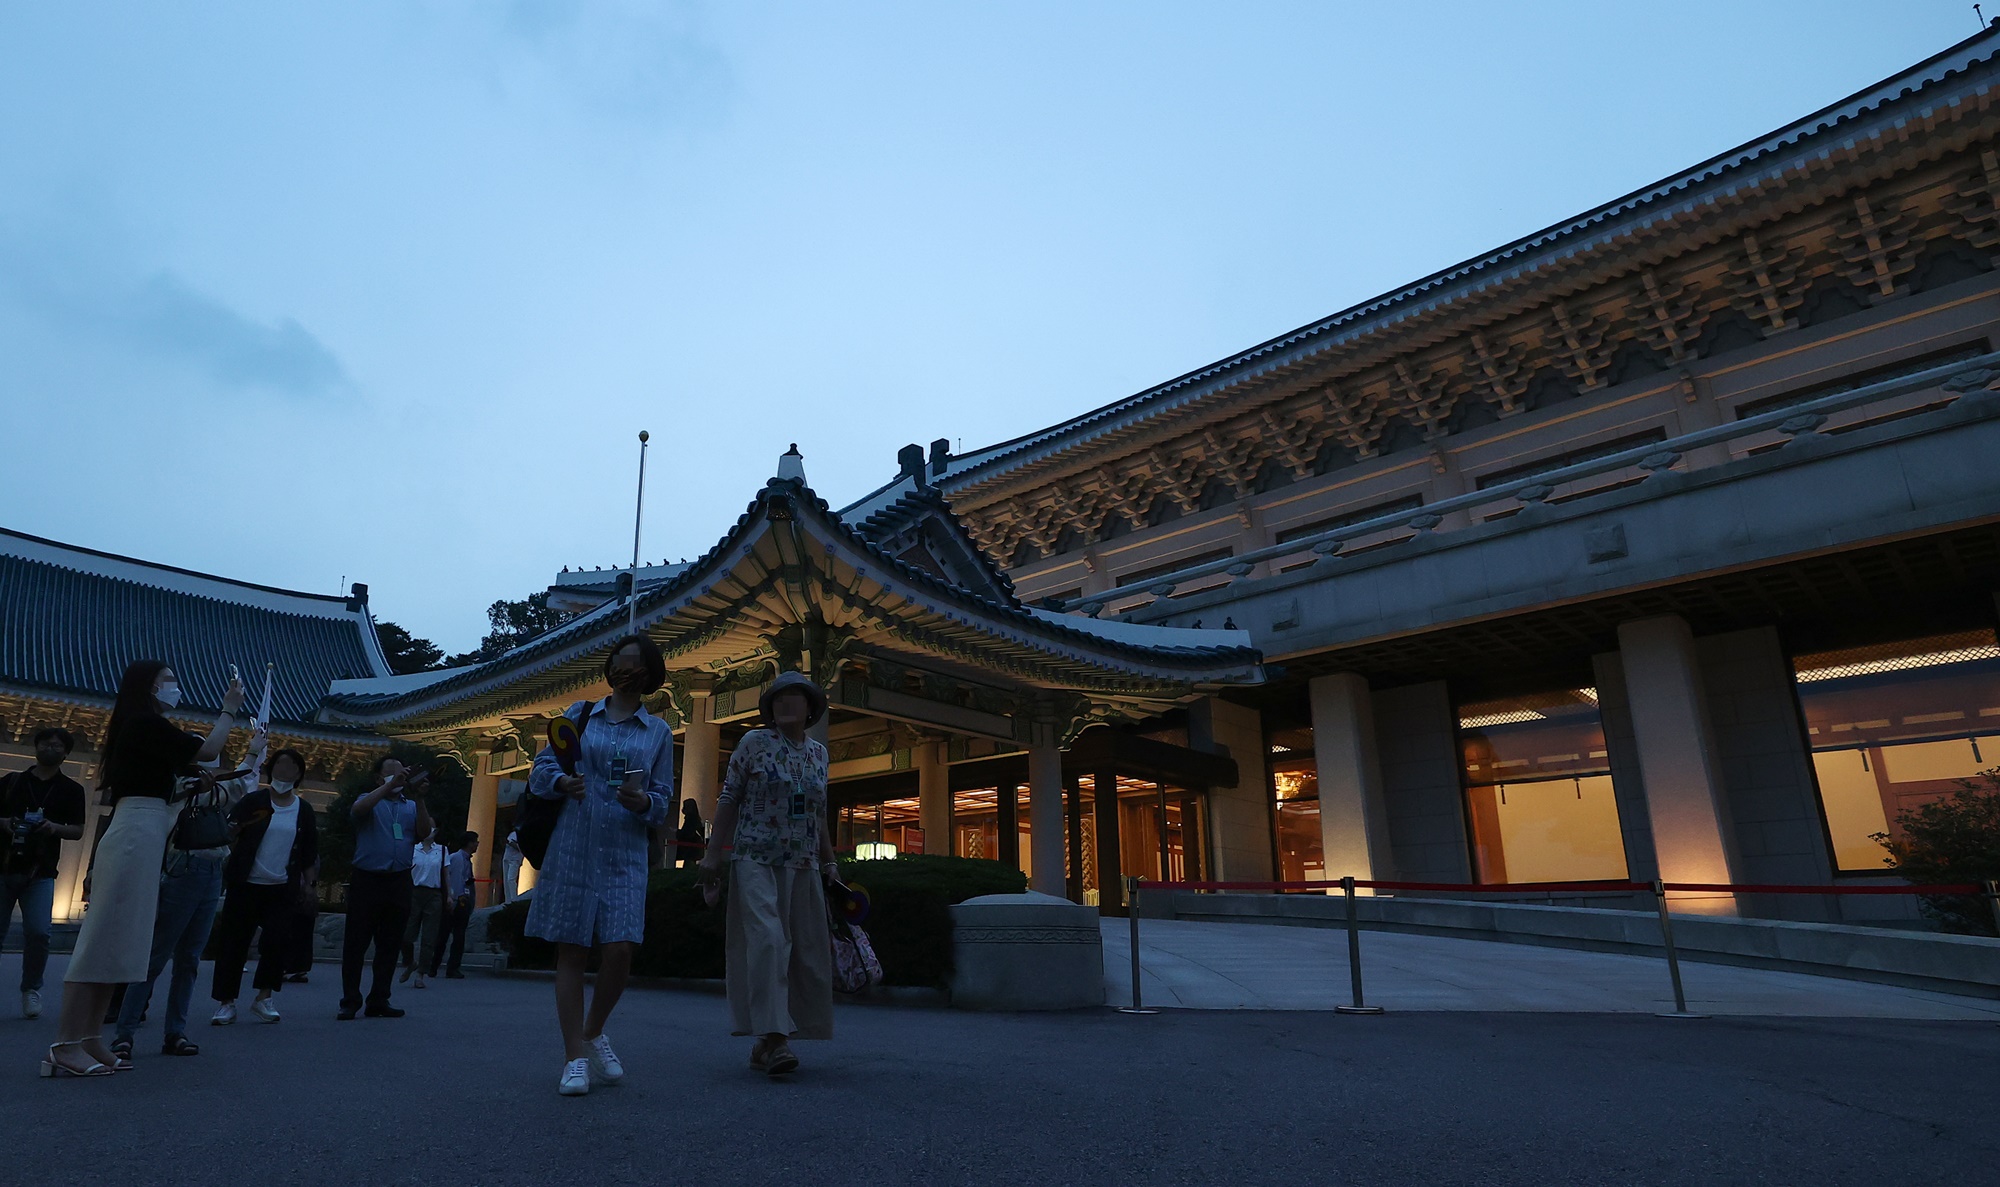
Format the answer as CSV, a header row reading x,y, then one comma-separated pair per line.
x,y
779,956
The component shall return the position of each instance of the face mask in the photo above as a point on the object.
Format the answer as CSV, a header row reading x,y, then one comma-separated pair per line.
x,y
283,786
169,695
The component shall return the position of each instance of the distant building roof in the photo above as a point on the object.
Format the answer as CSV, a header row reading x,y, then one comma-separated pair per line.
x,y
72,618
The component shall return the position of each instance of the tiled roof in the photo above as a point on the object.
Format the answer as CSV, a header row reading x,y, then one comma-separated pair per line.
x,y
1893,107
71,619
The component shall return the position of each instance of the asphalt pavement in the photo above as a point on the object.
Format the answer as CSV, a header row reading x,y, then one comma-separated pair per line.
x,y
462,1091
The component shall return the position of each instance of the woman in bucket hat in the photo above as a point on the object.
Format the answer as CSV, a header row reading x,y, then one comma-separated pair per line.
x,y
770,826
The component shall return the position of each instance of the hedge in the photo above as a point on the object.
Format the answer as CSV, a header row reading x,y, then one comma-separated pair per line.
x,y
908,921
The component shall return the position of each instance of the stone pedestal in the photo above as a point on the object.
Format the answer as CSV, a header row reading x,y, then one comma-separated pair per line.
x,y
1026,952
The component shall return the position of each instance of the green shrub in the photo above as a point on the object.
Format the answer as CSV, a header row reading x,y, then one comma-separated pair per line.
x,y
1951,841
909,923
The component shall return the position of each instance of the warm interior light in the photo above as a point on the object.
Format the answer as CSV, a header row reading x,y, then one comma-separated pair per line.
x,y
874,851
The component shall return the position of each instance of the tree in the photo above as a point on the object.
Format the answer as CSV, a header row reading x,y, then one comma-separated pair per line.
x,y
1952,841
512,624
405,652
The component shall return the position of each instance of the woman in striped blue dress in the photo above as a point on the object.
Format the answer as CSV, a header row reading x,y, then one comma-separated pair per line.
x,y
591,891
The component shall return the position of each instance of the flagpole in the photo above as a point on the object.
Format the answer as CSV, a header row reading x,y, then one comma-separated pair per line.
x,y
638,517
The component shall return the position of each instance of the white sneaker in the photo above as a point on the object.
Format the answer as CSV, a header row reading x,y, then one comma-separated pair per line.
x,y
604,1061
31,1003
265,1008
575,1078
225,1014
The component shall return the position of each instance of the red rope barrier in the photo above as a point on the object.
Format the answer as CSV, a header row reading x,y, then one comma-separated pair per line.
x,y
1577,887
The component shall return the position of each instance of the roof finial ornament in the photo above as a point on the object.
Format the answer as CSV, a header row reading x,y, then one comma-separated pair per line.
x,y
792,466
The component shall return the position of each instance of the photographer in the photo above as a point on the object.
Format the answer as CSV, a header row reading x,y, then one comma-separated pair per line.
x,y
387,823
40,808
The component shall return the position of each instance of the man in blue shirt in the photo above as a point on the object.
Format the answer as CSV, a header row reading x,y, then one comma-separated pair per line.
x,y
458,883
387,823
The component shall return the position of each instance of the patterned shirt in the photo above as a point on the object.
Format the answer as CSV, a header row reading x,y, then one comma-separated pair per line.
x,y
779,788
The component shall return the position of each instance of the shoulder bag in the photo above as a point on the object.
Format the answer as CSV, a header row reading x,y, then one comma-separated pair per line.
x,y
204,822
535,824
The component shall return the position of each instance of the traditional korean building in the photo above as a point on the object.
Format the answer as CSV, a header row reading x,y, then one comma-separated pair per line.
x,y
959,716
1662,540
72,618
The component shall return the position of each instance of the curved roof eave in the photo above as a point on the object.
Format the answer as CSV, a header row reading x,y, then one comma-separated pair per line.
x,y
1231,662
1670,197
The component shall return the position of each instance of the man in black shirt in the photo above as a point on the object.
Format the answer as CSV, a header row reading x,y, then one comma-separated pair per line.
x,y
40,808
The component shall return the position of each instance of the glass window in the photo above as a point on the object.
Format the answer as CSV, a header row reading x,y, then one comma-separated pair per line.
x,y
1538,789
1895,726
1295,790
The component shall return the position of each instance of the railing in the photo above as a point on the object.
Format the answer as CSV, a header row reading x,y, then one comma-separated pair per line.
x,y
1797,422
1659,889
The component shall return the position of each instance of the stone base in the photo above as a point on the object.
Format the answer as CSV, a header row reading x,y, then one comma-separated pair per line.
x,y
1026,952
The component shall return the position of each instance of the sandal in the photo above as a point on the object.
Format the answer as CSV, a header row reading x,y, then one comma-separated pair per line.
x,y
54,1069
179,1045
122,1048
780,1060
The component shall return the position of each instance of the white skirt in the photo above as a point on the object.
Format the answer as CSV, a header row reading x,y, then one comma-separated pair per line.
x,y
116,941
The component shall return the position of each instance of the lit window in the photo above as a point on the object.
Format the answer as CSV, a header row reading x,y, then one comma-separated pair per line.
x,y
1895,726
1538,789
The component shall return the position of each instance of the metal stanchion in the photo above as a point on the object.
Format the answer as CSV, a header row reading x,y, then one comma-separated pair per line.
x,y
1673,959
1353,953
1132,913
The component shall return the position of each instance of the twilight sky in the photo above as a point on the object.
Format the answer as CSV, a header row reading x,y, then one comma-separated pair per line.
x,y
384,291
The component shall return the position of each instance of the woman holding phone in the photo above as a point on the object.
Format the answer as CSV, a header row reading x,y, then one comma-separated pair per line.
x,y
145,756
592,886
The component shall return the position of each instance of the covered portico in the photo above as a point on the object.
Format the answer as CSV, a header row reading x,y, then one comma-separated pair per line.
x,y
948,695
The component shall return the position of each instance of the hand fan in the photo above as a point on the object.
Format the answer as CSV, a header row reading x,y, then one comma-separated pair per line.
x,y
565,742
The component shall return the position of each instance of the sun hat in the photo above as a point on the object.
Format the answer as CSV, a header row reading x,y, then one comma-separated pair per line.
x,y
794,682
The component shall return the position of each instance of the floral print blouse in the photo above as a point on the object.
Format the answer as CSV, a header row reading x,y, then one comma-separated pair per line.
x,y
779,788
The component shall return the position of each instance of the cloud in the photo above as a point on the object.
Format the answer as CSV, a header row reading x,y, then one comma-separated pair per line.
x,y
651,62
161,318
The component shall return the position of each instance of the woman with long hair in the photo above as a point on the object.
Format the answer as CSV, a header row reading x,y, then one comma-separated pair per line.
x,y
145,756
592,887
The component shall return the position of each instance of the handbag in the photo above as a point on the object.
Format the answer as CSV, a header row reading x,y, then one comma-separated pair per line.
x,y
203,823
535,823
855,968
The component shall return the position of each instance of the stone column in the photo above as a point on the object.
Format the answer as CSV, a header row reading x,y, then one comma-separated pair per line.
x,y
700,755
1045,819
1353,817
1239,817
934,797
480,813
1007,806
1684,803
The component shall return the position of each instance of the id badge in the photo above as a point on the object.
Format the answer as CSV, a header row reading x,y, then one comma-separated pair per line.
x,y
798,801
396,829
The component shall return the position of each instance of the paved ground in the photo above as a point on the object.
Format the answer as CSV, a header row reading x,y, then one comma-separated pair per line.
x,y
1252,966
463,1091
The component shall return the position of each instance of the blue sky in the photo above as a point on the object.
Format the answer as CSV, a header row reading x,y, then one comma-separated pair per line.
x,y
384,291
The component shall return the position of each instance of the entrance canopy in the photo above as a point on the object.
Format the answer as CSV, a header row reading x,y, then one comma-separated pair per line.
x,y
900,616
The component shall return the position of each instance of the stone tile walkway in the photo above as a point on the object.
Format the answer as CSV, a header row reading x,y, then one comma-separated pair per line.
x,y
1248,966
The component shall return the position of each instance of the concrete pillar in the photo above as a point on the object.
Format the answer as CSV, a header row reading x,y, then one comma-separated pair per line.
x,y
1240,844
701,752
1353,818
480,813
934,797
1045,819
1007,803
1692,836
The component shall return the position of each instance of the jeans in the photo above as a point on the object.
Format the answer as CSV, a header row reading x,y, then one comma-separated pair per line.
x,y
37,897
189,891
